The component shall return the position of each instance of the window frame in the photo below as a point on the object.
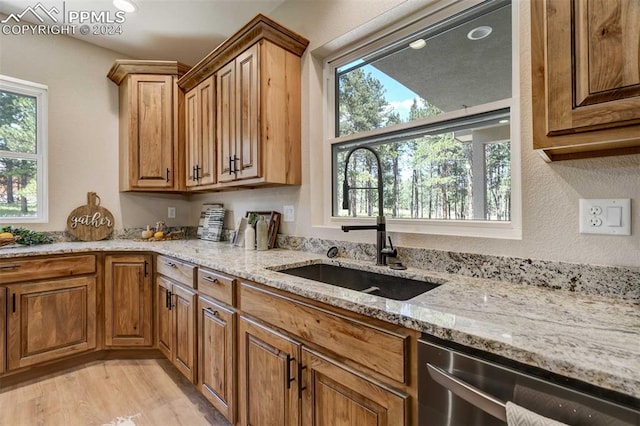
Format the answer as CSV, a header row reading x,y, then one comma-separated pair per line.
x,y
383,39
40,92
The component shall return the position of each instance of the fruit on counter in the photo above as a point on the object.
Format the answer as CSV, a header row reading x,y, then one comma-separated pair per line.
x,y
6,235
158,234
148,233
26,236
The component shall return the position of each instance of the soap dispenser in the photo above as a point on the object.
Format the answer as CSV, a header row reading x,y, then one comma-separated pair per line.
x,y
262,238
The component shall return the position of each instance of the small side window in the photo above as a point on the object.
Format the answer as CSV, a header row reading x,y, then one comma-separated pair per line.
x,y
23,145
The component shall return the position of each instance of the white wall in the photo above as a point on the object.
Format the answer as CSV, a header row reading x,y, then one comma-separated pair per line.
x,y
83,129
550,191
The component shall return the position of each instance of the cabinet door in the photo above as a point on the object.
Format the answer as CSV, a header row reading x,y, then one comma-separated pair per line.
x,y
207,154
128,313
226,125
247,110
184,315
336,395
164,317
151,153
50,320
216,360
3,317
586,77
192,135
268,376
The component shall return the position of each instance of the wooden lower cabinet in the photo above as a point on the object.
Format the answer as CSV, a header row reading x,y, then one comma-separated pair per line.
x,y
336,395
128,300
217,356
176,325
164,317
49,320
268,376
184,308
3,317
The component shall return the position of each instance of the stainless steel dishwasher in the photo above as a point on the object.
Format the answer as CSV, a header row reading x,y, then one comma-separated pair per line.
x,y
460,387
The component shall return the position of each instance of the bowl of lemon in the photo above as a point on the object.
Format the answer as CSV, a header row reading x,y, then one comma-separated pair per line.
x,y
7,238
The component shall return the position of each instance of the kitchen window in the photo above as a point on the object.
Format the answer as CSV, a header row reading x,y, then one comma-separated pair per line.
x,y
436,100
23,145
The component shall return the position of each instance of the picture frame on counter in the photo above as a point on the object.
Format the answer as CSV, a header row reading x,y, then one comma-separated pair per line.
x,y
273,223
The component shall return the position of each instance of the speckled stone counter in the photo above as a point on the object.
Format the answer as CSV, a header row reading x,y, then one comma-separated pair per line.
x,y
590,338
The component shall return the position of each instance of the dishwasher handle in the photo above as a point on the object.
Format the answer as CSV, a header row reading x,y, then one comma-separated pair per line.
x,y
474,396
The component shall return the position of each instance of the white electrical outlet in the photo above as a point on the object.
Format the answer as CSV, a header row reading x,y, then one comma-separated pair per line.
x,y
288,213
605,216
171,212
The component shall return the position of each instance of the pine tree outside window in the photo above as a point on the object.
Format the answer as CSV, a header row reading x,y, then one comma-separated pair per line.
x,y
440,115
23,137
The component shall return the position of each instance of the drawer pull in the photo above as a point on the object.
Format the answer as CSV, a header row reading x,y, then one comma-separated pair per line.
x,y
211,279
9,266
211,311
13,297
171,264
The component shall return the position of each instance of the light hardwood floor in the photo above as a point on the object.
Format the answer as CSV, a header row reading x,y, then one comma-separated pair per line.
x,y
98,393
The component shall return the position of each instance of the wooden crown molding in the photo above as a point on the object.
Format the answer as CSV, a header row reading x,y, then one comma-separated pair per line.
x,y
259,28
123,67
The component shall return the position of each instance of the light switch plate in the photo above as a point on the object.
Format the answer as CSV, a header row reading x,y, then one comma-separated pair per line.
x,y
171,212
611,216
289,213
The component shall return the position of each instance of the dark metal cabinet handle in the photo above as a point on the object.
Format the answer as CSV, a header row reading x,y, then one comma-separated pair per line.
x,y
290,379
170,299
231,163
193,173
211,311
13,297
168,174
171,264
9,266
235,167
198,172
146,266
471,394
300,387
166,299
210,279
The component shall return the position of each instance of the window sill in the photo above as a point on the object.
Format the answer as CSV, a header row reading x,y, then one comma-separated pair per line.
x,y
458,228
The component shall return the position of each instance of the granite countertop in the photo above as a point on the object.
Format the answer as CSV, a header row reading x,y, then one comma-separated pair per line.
x,y
589,338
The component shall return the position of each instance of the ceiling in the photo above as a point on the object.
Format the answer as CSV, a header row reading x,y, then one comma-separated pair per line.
x,y
183,30
452,71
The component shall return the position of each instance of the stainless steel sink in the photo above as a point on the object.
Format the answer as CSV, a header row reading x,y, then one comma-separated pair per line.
x,y
391,287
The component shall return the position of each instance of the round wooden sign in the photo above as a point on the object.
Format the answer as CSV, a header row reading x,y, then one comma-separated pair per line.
x,y
90,222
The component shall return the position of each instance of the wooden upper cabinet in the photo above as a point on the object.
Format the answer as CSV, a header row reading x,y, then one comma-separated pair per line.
x,y
151,125
257,104
128,301
586,77
237,107
200,135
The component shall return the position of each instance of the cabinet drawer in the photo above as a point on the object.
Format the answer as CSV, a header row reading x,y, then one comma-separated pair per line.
x,y
181,272
217,285
13,271
381,350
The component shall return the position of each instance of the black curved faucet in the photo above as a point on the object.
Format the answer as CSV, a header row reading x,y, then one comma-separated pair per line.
x,y
382,252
